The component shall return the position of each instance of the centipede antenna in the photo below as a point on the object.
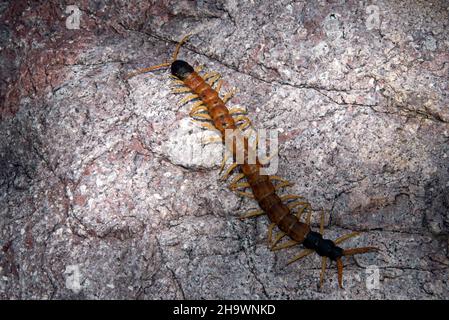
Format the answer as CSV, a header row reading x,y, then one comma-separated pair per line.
x,y
148,69
179,45
351,252
162,65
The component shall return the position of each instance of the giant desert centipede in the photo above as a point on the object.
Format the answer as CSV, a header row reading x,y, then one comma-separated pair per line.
x,y
211,107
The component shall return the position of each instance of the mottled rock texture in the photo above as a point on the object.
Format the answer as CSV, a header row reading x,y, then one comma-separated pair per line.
x,y
106,191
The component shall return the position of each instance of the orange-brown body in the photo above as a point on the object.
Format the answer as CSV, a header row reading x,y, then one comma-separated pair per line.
x,y
261,186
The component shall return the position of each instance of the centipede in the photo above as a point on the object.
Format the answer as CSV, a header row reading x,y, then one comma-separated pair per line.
x,y
289,214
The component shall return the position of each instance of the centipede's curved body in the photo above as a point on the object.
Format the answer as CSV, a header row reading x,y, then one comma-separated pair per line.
x,y
261,186
210,106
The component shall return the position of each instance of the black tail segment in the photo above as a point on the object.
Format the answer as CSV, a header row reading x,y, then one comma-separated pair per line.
x,y
181,69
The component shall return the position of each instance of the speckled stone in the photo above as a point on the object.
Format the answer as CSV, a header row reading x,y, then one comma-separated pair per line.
x,y
106,190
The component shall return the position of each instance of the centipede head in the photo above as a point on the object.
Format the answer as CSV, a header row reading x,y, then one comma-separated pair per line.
x,y
181,69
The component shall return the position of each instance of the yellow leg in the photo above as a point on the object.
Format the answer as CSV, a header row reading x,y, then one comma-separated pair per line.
x,y
198,106
237,110
181,90
239,177
295,204
223,162
290,197
267,160
188,98
277,178
228,171
270,232
346,237
205,125
213,79
178,82
322,223
218,87
253,214
229,95
323,270
204,116
244,125
279,237
209,75
301,211
245,194
282,185
242,118
285,245
209,140
309,216
239,185
199,68
302,254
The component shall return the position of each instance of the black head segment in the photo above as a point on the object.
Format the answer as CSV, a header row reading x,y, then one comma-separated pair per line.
x,y
324,247
181,69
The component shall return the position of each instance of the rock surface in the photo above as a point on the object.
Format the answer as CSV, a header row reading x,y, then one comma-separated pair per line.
x,y
106,191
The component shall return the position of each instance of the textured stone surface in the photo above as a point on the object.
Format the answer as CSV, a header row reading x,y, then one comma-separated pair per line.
x,y
106,192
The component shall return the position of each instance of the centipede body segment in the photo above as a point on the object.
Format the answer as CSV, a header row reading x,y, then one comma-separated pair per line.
x,y
211,109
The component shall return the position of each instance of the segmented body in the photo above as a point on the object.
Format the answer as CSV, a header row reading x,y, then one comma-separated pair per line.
x,y
261,186
263,190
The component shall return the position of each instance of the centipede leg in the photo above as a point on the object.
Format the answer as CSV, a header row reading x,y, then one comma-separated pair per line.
x,y
239,177
253,214
197,107
214,139
229,95
203,116
186,99
199,68
181,90
228,171
205,125
219,85
285,245
290,197
177,82
278,238
245,194
302,254
213,79
270,232
245,122
237,110
209,75
223,162
323,270
239,185
267,160
283,185
293,205
309,217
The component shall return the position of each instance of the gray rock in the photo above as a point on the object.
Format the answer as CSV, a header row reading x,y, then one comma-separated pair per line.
x,y
106,191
